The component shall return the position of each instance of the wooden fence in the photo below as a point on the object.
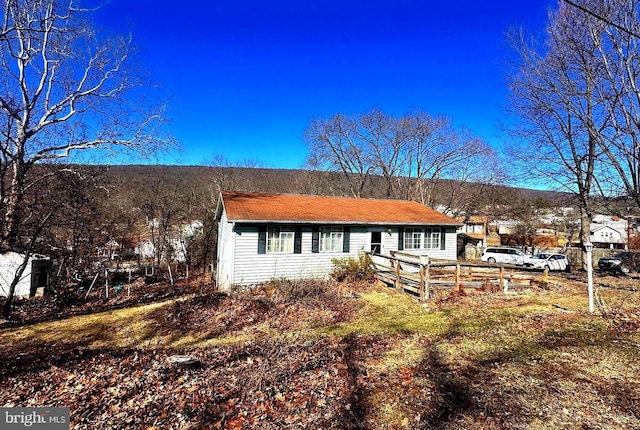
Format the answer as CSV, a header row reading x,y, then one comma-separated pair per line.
x,y
424,276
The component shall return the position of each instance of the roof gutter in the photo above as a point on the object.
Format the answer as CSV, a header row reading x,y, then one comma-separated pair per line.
x,y
350,222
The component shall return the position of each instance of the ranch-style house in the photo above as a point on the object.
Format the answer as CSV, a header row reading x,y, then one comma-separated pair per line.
x,y
264,236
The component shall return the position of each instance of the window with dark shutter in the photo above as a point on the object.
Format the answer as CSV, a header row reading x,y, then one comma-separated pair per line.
x,y
400,238
442,238
345,239
297,241
262,239
315,239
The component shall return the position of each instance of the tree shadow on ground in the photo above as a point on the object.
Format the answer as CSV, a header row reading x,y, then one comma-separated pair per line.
x,y
517,383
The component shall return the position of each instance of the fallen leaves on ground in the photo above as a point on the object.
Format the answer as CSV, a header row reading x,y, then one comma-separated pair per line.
x,y
492,362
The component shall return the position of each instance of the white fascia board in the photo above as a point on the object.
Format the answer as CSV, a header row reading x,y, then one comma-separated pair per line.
x,y
254,221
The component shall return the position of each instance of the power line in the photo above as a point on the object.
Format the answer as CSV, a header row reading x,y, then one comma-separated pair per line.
x,y
619,27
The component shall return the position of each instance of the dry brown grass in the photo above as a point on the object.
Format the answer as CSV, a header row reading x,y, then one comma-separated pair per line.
x,y
384,360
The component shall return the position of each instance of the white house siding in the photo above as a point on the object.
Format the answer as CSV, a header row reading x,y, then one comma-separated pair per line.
x,y
226,244
608,235
9,263
252,268
449,253
239,262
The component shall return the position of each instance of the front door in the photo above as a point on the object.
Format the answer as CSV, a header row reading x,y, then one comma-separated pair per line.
x,y
376,242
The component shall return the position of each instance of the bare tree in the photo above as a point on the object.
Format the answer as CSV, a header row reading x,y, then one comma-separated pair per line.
x,y
407,152
64,90
335,145
471,168
76,229
556,93
613,31
232,175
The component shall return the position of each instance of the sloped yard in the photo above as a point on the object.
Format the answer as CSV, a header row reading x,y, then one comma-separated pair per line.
x,y
311,356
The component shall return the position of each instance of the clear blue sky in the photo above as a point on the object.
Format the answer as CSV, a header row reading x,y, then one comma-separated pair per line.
x,y
246,77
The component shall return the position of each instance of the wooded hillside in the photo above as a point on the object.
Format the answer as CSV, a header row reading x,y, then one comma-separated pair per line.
x,y
131,203
304,182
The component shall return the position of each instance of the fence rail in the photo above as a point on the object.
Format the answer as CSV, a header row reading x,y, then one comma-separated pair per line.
x,y
424,276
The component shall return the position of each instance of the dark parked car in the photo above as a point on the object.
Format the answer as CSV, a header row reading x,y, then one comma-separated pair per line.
x,y
621,263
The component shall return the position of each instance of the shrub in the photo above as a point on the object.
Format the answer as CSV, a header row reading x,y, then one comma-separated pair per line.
x,y
353,269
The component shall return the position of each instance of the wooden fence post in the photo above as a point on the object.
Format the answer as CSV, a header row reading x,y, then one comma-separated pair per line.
x,y
457,277
427,286
424,283
397,274
502,278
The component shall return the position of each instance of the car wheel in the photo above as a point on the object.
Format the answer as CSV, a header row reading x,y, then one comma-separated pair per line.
x,y
624,269
491,260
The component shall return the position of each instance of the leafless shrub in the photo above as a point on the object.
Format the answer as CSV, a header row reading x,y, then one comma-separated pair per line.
x,y
351,270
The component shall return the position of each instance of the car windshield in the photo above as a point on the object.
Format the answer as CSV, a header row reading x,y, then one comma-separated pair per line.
x,y
541,256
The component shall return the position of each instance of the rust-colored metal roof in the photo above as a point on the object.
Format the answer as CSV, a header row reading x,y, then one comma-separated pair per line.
x,y
474,219
256,207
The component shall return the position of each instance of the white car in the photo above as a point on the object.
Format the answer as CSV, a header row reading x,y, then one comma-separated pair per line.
x,y
503,255
549,261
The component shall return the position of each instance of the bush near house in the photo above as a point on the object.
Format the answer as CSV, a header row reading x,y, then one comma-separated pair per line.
x,y
353,269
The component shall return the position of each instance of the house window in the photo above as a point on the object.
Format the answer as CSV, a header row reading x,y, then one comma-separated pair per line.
x,y
412,238
331,239
432,238
280,239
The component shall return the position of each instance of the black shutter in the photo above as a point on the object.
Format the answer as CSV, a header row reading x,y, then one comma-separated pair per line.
x,y
346,239
443,237
262,239
400,238
297,240
315,239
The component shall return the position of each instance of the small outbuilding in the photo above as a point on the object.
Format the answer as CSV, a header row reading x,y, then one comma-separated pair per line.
x,y
36,274
265,236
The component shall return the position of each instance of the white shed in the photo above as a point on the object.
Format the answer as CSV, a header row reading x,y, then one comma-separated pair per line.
x,y
266,236
35,275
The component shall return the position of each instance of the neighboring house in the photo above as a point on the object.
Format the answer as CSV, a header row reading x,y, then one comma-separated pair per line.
x,y
474,230
506,226
127,249
267,236
604,236
110,250
141,247
36,274
145,249
181,242
609,232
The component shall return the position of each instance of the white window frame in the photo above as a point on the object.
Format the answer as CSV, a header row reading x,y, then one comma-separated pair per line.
x,y
280,240
331,239
411,236
432,238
